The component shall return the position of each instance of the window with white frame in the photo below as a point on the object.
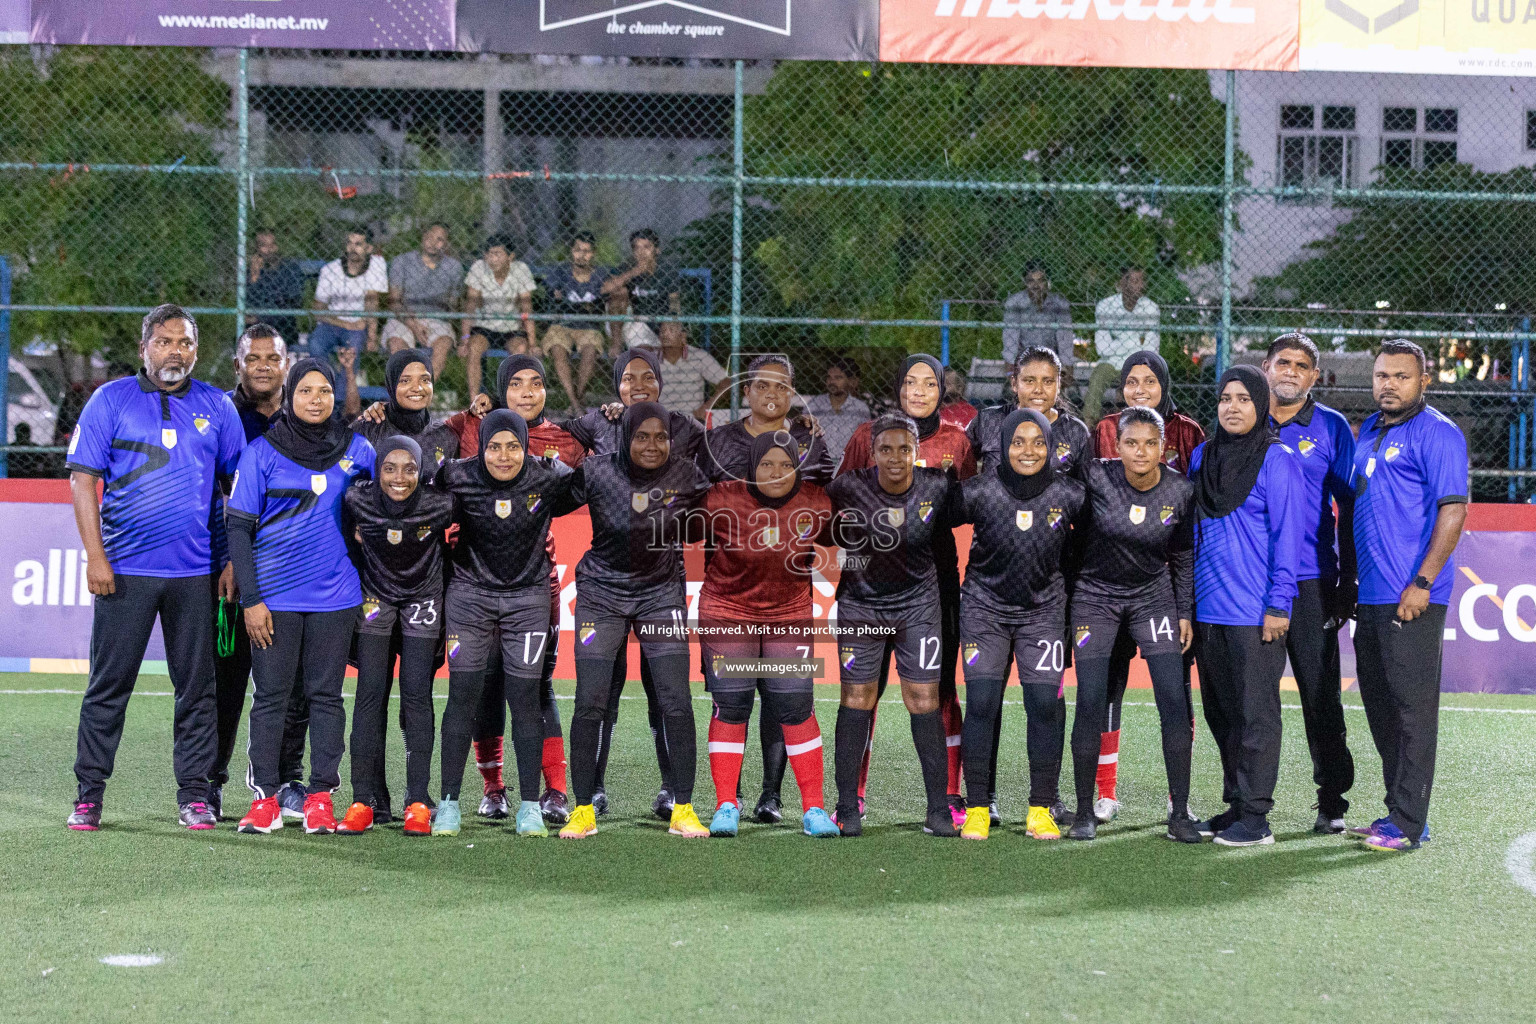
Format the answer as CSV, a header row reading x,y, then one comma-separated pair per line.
x,y
1419,139
1317,148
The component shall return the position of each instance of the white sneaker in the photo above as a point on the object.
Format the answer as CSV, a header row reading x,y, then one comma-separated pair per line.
x,y
1106,809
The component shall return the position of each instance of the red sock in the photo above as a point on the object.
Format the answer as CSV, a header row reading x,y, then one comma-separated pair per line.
x,y
1109,762
868,748
949,712
803,745
727,742
488,760
554,763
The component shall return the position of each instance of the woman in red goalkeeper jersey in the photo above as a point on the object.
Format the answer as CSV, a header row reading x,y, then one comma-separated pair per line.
x,y
755,605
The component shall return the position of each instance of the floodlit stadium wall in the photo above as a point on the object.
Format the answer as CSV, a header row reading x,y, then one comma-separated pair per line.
x,y
46,624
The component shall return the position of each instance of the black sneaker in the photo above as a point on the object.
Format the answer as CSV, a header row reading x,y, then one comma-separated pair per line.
x,y
850,823
196,816
86,817
555,807
941,823
1327,826
382,815
1064,817
662,805
216,801
769,810
1084,826
1216,823
600,801
1182,830
1241,833
995,815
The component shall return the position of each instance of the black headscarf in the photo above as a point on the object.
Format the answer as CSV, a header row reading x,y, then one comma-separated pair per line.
x,y
1159,366
398,443
1230,463
494,423
315,446
409,422
652,359
926,425
761,445
1020,486
630,422
515,364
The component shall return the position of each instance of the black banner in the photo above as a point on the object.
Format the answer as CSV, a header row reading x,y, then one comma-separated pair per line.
x,y
746,29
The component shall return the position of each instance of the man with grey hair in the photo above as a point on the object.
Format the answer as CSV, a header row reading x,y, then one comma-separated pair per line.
x,y
161,443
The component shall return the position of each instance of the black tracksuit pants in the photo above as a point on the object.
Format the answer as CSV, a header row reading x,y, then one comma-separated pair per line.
x,y
1314,655
370,715
1240,687
1399,667
315,646
121,623
232,674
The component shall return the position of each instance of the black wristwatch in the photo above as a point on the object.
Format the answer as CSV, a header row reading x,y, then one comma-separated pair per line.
x,y
1421,581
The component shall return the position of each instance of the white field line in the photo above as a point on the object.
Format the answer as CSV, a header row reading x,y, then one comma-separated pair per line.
x,y
1518,861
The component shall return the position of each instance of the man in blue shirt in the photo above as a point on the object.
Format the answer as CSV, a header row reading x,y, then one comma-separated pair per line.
x,y
1410,484
1325,577
161,443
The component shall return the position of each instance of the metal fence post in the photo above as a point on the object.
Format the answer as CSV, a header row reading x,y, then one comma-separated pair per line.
x,y
242,185
1224,336
944,333
738,172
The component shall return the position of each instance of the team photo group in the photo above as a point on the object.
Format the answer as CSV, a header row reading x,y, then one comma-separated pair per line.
x,y
277,541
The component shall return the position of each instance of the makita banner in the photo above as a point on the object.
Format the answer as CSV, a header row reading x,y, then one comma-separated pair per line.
x,y
1251,34
302,24
748,29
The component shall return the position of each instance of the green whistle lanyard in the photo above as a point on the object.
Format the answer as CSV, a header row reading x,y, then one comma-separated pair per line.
x,y
226,633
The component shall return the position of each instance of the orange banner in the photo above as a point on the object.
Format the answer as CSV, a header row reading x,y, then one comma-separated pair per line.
x,y
1257,35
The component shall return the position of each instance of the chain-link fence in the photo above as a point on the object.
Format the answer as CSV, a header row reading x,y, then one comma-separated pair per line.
x,y
817,209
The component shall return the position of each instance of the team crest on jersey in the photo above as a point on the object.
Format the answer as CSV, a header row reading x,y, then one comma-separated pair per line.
x,y
1024,518
503,507
1053,518
920,462
1392,452
1063,452
533,503
896,516
847,658
669,499
947,461
370,609
1082,635
346,464
423,532
925,510
971,653
805,524
639,501
168,436
317,482
1138,514
1305,446
453,646
1167,515
394,536
1171,457
551,452
201,423
587,632
770,537
438,454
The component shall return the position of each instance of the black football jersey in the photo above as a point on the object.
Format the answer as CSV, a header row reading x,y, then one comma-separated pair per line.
x,y
637,529
502,526
1135,538
401,556
438,443
726,451
600,435
1018,546
887,540
1071,440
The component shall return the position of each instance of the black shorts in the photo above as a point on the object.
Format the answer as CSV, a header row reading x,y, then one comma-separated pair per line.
x,y
658,617
1150,617
479,620
714,652
419,617
864,635
1033,640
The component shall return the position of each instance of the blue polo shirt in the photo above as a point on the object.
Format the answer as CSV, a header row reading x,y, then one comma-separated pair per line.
x,y
1325,447
302,563
1402,475
1246,561
161,455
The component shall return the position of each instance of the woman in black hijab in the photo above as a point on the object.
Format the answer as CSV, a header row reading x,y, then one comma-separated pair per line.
x,y
407,410
1013,609
637,377
1249,500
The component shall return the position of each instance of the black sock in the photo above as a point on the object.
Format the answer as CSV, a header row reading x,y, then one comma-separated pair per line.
x,y
852,734
527,732
771,735
464,688
928,738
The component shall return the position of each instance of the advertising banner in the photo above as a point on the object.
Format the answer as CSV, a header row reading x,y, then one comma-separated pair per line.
x,y
15,21
1249,34
1449,37
747,29
304,24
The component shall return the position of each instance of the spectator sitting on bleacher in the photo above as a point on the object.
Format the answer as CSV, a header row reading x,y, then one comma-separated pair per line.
x,y
577,290
840,411
1036,304
643,289
274,282
424,285
351,284
956,409
500,288
689,373
1128,323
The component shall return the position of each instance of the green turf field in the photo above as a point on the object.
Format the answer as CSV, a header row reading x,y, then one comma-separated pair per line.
x,y
636,925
